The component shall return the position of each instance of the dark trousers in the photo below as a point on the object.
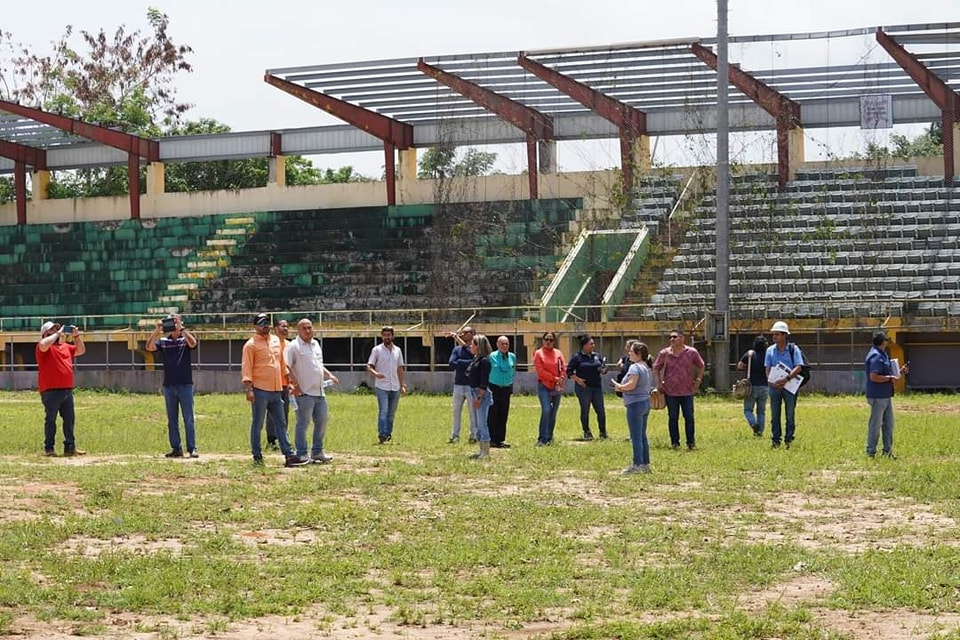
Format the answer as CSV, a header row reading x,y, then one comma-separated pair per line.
x,y
499,412
676,404
58,401
271,421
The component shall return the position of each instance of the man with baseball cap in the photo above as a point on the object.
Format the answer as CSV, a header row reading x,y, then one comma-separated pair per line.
x,y
55,381
263,371
790,355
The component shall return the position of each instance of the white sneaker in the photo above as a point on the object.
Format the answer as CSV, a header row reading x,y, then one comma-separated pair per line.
x,y
644,468
631,470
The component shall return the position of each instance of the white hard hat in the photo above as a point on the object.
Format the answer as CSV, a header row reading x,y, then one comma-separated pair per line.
x,y
780,327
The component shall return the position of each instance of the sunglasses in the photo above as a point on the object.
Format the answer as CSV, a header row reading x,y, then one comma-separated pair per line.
x,y
674,337
549,339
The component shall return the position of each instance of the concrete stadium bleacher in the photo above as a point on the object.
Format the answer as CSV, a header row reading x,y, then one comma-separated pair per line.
x,y
845,243
492,255
118,268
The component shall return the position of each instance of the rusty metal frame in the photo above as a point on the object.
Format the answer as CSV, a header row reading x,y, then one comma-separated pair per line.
x,y
785,112
22,156
946,99
631,121
136,147
536,125
394,134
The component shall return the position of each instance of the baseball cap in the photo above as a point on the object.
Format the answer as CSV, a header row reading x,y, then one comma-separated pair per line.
x,y
46,326
261,320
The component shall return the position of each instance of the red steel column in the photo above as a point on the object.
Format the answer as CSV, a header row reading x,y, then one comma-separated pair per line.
x,y
390,166
20,190
133,174
533,172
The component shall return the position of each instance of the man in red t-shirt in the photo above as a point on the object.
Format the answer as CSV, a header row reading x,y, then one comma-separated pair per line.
x,y
55,381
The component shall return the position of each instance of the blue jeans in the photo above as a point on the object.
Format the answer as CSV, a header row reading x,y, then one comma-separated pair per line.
x,y
480,414
387,402
637,414
549,406
676,404
310,408
179,399
267,402
461,394
881,421
789,401
58,401
274,426
591,396
758,396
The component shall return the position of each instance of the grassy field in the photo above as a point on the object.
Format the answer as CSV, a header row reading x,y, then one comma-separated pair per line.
x,y
413,539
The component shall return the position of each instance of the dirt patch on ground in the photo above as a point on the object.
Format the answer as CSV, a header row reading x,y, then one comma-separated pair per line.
x,y
34,500
138,544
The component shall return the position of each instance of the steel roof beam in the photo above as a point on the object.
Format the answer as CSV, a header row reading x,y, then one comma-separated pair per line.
x,y
536,125
631,122
135,146
395,134
946,99
785,112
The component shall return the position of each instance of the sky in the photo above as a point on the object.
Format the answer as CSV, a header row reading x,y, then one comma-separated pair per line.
x,y
235,42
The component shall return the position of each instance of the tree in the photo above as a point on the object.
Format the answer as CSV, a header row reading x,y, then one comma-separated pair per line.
x,y
927,144
125,81
442,162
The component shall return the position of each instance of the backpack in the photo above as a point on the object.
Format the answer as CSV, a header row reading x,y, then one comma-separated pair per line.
x,y
804,367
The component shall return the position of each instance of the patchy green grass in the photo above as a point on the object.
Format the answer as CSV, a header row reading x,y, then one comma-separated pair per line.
x,y
734,540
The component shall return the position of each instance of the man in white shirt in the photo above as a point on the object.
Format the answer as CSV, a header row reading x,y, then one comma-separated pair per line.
x,y
386,365
307,376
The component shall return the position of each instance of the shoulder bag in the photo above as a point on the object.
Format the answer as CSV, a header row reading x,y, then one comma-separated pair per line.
x,y
743,388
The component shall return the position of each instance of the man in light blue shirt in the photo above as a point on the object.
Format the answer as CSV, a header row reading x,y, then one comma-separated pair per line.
x,y
782,351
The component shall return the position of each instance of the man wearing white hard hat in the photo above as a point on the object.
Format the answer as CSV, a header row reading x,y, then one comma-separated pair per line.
x,y
789,354
55,381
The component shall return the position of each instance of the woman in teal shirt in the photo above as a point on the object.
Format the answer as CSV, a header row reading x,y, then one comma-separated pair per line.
x,y
503,366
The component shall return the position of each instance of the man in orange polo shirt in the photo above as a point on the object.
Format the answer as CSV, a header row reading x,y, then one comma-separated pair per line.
x,y
55,381
263,373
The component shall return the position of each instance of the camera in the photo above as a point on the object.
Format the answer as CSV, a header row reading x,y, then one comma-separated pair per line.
x,y
68,329
168,325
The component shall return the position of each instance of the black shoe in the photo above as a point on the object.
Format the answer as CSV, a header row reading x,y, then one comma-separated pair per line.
x,y
471,440
888,454
786,443
453,440
50,453
194,454
74,452
587,436
604,436
383,439
499,445
296,461
174,453
258,461
691,447
775,444
675,447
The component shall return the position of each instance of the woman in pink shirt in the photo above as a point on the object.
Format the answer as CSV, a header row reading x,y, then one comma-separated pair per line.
x,y
551,374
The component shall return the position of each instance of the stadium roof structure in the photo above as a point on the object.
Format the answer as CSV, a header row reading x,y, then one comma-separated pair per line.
x,y
622,90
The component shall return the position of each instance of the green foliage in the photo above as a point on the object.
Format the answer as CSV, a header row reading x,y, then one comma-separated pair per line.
x,y
7,193
443,161
927,144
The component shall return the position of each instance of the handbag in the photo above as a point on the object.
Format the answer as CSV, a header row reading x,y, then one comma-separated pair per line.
x,y
658,400
743,388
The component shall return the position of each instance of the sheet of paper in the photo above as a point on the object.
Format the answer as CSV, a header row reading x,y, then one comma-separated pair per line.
x,y
895,367
780,372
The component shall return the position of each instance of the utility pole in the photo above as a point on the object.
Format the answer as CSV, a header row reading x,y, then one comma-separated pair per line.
x,y
721,316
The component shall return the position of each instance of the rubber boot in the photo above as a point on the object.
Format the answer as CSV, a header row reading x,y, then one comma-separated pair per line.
x,y
483,453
